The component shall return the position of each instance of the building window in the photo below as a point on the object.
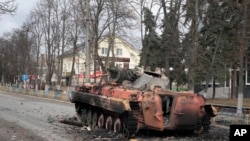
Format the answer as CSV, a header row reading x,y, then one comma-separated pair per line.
x,y
248,73
247,77
126,65
119,52
119,65
104,51
64,68
77,68
69,67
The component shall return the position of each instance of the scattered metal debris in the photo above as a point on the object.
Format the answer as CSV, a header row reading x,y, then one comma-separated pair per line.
x,y
71,121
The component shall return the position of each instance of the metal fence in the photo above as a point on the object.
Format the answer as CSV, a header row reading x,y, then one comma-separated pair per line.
x,y
227,115
52,94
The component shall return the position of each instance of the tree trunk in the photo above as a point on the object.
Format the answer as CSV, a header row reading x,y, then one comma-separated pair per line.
x,y
213,88
241,57
241,83
234,82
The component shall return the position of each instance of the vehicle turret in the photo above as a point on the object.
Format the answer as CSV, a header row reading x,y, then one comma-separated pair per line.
x,y
135,78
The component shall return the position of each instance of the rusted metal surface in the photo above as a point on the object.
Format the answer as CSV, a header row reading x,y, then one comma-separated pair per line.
x,y
187,111
135,105
152,112
108,103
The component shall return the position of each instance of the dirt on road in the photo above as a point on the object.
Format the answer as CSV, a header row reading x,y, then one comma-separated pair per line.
x,y
10,131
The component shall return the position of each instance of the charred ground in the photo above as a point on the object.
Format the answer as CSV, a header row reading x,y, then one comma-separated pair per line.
x,y
216,132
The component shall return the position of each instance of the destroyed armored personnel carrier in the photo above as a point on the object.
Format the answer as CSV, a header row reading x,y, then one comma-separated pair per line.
x,y
134,100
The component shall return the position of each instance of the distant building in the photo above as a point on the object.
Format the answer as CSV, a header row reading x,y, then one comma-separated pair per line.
x,y
126,56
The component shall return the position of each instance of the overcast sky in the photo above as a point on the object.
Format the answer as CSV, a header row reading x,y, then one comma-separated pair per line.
x,y
9,22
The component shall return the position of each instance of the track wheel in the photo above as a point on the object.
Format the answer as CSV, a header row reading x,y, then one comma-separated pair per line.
x,y
206,123
89,117
84,115
109,123
78,108
130,126
94,120
117,125
125,131
78,117
198,131
100,121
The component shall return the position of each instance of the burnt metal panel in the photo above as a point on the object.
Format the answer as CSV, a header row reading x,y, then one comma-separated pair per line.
x,y
108,103
152,112
186,112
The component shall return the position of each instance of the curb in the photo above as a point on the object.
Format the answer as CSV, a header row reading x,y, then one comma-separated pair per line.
x,y
55,95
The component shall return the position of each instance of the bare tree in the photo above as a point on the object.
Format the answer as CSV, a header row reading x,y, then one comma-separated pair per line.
x,y
121,20
63,31
46,10
107,18
139,11
243,46
152,5
16,51
36,35
74,32
8,7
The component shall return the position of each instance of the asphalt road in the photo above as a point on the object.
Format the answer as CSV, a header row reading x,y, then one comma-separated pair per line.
x,y
37,116
27,118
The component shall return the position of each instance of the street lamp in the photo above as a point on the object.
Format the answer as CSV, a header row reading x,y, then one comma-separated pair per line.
x,y
186,70
171,69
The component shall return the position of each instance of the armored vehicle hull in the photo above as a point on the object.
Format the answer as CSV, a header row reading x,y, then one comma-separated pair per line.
x,y
128,109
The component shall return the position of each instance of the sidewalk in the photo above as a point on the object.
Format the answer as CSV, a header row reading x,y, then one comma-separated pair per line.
x,y
62,95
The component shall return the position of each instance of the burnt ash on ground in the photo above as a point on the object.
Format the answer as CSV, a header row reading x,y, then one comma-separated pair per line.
x,y
83,133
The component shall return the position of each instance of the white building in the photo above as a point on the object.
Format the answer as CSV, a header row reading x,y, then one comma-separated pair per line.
x,y
126,56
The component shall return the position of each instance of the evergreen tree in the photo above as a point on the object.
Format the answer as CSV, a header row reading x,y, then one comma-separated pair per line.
x,y
150,55
219,37
171,52
218,22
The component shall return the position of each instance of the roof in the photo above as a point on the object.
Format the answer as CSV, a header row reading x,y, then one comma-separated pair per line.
x,y
80,47
69,52
124,41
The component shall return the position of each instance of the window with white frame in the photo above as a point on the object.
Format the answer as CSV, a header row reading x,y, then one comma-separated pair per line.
x,y
64,67
247,72
119,65
69,67
104,51
77,68
119,52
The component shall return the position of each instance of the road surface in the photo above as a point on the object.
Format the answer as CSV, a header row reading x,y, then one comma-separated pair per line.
x,y
33,118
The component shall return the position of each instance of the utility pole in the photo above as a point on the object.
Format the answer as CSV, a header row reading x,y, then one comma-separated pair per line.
x,y
87,69
241,56
194,49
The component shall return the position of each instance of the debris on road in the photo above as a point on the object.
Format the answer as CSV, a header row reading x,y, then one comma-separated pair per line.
x,y
71,121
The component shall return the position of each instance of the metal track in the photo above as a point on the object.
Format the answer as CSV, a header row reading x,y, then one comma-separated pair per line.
x,y
206,123
131,122
230,109
222,110
228,114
